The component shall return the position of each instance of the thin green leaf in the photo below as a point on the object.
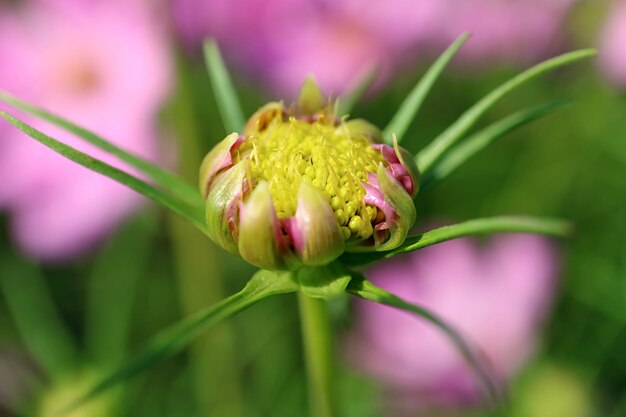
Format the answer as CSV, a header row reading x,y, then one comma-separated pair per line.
x,y
173,339
480,140
225,94
401,121
501,224
347,102
431,153
192,214
364,289
36,316
166,179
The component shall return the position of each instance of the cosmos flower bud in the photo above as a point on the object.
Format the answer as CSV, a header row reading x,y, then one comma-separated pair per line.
x,y
300,186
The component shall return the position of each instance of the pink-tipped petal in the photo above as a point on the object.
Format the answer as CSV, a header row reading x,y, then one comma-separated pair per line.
x,y
401,165
222,206
314,231
401,202
260,238
219,159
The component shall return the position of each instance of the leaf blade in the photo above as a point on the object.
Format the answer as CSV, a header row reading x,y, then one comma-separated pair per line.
x,y
362,288
196,217
225,94
347,102
166,179
481,226
405,115
433,151
481,139
172,340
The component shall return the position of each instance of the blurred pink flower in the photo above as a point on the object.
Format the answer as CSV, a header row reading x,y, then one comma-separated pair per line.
x,y
340,40
284,41
613,44
511,31
102,64
496,296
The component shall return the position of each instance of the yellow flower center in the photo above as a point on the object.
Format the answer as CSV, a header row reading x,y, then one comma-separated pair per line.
x,y
286,151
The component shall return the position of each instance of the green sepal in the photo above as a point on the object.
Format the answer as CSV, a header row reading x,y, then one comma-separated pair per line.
x,y
226,190
361,127
323,282
310,99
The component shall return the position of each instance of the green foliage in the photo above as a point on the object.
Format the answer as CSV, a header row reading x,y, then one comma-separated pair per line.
x,y
175,338
30,303
164,178
192,214
483,138
501,224
225,94
405,114
440,145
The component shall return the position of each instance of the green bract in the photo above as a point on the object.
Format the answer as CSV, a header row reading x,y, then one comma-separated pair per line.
x,y
300,185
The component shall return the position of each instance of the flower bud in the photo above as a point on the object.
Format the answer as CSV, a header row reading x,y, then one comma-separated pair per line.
x,y
301,185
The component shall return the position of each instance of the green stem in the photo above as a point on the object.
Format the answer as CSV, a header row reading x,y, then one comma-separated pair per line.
x,y
318,353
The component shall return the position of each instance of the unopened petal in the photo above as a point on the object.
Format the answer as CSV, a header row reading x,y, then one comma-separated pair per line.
x,y
310,99
316,235
263,117
407,160
260,237
362,127
219,158
222,206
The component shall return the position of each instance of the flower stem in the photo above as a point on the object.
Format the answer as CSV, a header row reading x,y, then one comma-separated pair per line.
x,y
318,353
